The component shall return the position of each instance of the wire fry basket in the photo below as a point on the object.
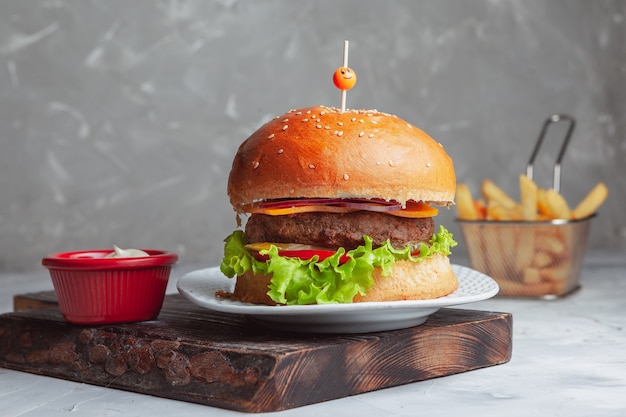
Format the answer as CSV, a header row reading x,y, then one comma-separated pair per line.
x,y
540,259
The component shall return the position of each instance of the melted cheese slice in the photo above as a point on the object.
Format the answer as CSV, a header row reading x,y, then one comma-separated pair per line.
x,y
413,210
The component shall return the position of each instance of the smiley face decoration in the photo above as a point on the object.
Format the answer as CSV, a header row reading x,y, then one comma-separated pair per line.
x,y
344,77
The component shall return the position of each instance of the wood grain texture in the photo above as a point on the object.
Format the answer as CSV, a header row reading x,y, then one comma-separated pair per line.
x,y
196,355
33,301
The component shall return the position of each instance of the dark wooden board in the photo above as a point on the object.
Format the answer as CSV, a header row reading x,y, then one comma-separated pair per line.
x,y
196,355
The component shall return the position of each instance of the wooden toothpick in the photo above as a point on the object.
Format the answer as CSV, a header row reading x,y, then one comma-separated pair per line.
x,y
344,77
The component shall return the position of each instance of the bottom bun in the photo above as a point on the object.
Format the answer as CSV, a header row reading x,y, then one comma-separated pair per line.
x,y
431,278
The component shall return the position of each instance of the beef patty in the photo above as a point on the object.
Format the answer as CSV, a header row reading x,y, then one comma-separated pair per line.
x,y
334,230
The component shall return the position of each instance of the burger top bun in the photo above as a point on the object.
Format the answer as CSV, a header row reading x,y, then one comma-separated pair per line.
x,y
320,152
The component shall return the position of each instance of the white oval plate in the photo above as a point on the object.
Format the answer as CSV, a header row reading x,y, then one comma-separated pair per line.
x,y
200,286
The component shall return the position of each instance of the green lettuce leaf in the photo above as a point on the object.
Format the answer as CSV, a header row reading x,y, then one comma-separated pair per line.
x,y
310,281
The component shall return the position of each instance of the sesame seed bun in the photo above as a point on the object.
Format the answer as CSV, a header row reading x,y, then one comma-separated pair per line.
x,y
322,152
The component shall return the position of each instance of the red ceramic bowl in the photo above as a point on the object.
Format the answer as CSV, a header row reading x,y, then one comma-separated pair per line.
x,y
92,289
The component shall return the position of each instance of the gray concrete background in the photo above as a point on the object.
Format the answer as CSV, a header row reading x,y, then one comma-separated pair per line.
x,y
119,119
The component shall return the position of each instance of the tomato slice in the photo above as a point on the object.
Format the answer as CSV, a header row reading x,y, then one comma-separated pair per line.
x,y
298,250
293,250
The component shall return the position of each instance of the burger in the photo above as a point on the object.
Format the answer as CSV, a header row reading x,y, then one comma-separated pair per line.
x,y
339,207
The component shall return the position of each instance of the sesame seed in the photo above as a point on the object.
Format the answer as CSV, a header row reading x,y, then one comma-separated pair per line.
x,y
322,113
298,113
255,164
361,134
313,116
327,127
285,120
340,133
340,123
374,122
308,112
369,114
271,136
377,162
390,162
335,132
409,126
280,151
371,135
361,121
428,164
305,120
318,126
353,119
346,177
311,166
285,127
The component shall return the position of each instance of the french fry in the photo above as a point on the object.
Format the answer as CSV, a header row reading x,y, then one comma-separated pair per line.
x,y
531,276
481,208
496,250
492,192
558,206
507,242
542,204
591,202
465,203
551,245
559,272
541,260
495,212
525,251
528,198
498,212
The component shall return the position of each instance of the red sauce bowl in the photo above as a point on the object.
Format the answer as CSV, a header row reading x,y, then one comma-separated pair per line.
x,y
92,289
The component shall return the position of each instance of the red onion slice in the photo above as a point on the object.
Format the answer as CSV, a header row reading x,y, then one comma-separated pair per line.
x,y
359,204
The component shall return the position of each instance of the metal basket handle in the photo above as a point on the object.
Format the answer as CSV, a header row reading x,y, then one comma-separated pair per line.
x,y
555,118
